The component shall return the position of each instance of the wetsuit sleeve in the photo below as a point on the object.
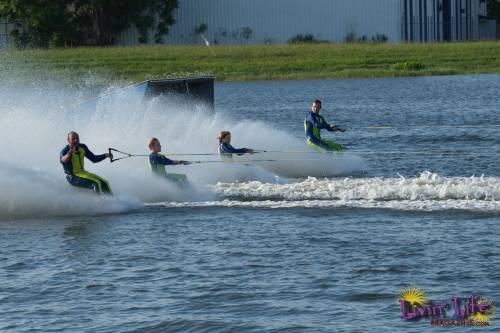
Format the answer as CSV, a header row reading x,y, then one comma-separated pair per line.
x,y
325,125
240,150
228,149
158,159
63,152
91,156
329,128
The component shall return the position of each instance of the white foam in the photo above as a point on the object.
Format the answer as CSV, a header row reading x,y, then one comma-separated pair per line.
x,y
428,191
407,205
427,186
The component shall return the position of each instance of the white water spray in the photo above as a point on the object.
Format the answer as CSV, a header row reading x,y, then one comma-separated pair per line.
x,y
34,122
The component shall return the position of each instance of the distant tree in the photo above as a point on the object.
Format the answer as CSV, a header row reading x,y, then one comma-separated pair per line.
x,y
80,22
493,7
43,22
201,29
380,38
246,32
303,39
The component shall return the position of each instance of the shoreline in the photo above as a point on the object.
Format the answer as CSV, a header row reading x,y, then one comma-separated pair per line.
x,y
252,62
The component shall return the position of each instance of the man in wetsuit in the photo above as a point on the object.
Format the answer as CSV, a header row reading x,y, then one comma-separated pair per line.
x,y
313,124
72,158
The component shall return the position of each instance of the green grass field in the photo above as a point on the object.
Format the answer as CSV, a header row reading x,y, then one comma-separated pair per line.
x,y
244,63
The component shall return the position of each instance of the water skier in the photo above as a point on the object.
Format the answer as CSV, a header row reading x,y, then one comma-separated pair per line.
x,y
226,149
72,158
158,161
313,124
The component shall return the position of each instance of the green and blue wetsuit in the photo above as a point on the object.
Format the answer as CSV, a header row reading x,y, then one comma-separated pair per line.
x,y
313,124
158,161
227,150
75,171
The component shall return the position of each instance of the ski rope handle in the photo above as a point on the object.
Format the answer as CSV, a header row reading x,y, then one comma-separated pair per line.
x,y
111,159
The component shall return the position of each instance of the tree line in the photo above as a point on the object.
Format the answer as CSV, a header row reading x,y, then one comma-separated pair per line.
x,y
63,23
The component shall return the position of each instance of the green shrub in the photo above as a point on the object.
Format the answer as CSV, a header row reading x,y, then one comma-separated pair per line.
x,y
408,66
303,39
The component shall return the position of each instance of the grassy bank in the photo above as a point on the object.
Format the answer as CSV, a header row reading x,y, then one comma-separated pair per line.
x,y
242,63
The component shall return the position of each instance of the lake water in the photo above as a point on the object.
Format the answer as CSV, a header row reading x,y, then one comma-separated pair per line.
x,y
250,250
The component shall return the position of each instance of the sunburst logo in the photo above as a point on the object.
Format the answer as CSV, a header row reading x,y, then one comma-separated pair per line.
x,y
415,305
472,311
485,316
413,296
